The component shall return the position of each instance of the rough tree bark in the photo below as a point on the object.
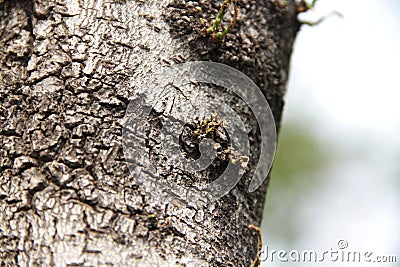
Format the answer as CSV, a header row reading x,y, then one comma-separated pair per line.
x,y
68,69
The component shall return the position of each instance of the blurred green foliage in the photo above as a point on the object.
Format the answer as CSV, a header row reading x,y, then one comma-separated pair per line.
x,y
298,164
299,156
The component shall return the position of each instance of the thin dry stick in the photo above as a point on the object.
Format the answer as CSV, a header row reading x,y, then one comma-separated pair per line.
x,y
256,262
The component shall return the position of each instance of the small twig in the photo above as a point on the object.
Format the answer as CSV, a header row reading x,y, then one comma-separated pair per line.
x,y
224,8
314,23
313,3
257,262
303,6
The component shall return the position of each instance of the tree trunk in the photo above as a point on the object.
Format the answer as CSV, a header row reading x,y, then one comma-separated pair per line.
x,y
68,71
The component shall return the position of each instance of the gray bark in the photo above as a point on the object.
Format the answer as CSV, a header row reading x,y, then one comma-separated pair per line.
x,y
67,72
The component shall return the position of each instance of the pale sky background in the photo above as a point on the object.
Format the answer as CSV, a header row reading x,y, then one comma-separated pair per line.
x,y
345,86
